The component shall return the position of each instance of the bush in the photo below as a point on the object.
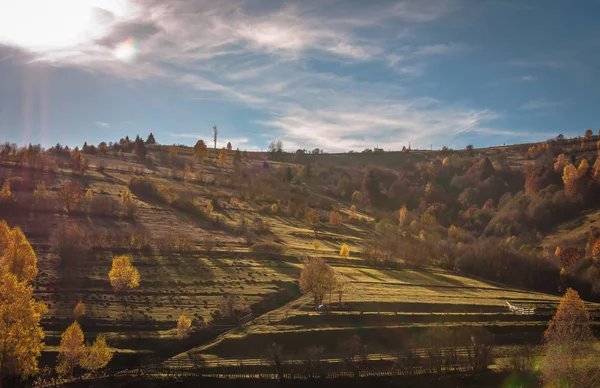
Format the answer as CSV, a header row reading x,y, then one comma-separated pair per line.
x,y
189,207
145,188
175,243
268,247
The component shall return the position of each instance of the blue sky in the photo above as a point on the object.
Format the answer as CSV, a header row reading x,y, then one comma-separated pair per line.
x,y
338,75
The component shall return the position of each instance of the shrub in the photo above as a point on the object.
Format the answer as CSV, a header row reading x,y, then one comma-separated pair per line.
x,y
145,188
175,243
209,243
268,247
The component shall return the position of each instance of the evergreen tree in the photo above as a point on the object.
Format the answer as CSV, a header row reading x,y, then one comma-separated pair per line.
x,y
150,139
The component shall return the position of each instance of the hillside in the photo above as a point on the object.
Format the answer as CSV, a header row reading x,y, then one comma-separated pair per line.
x,y
436,239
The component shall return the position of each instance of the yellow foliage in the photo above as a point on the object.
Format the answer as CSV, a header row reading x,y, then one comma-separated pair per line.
x,y
89,194
345,251
20,332
357,196
445,161
316,245
274,208
97,356
596,250
561,162
335,218
223,156
184,327
40,193
79,310
71,349
352,212
209,208
557,251
5,193
583,168
569,177
123,275
403,216
18,257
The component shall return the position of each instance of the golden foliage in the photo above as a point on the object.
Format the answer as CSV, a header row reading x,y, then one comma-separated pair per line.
x,y
123,275
345,251
561,162
89,195
357,196
274,208
20,332
5,193
97,356
352,212
557,251
569,177
596,169
316,245
17,257
173,150
403,216
71,349
335,218
184,327
445,161
316,279
79,310
583,168
596,250
223,156
209,208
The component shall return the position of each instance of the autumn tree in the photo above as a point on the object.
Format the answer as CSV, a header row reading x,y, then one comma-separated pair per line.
x,y
223,157
335,218
123,275
352,214
187,171
316,279
341,285
357,197
596,250
5,192
561,162
316,245
96,356
173,150
583,168
201,152
184,327
70,350
78,311
569,256
403,216
40,194
313,217
274,208
345,251
127,200
570,178
69,194
18,256
568,339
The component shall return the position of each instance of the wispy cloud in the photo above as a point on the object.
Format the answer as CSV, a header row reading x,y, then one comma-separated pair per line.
x,y
259,55
101,124
539,104
440,49
539,63
528,78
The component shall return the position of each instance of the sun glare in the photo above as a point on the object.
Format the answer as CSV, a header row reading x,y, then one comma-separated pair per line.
x,y
126,50
46,25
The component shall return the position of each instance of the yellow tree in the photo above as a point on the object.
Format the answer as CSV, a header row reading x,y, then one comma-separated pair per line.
x,y
345,251
201,152
335,218
127,199
5,193
18,257
403,216
568,338
316,245
40,194
96,356
583,168
570,177
184,327
596,170
70,350
316,279
223,156
352,212
187,171
123,275
79,310
173,150
20,333
274,208
561,162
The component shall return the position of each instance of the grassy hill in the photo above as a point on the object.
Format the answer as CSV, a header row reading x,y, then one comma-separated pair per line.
x,y
208,232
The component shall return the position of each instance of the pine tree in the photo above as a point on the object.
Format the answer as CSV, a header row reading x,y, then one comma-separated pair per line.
x,y
150,139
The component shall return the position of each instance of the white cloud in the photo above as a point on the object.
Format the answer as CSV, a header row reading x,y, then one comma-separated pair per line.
x,y
101,124
529,78
538,104
440,49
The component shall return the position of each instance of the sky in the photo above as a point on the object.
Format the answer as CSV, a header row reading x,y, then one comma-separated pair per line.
x,y
337,75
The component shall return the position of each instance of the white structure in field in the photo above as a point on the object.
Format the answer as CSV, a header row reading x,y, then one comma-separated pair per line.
x,y
520,310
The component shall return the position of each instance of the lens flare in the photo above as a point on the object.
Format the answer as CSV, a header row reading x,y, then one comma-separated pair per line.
x,y
126,50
